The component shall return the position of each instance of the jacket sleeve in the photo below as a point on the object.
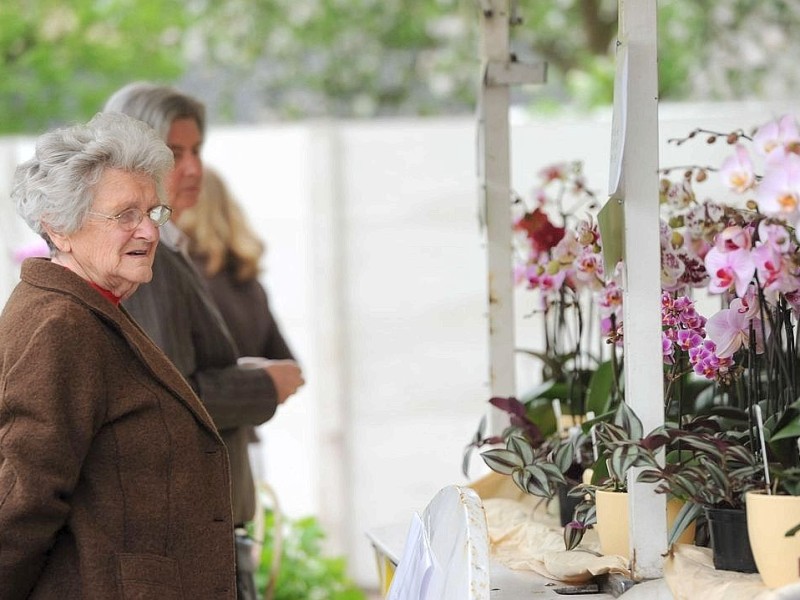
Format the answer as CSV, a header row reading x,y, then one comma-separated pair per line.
x,y
51,407
178,313
275,346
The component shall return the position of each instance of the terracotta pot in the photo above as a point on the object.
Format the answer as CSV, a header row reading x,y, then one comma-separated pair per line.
x,y
613,522
768,518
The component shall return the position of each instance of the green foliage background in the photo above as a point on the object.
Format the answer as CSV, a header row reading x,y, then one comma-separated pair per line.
x,y
59,61
306,573
257,60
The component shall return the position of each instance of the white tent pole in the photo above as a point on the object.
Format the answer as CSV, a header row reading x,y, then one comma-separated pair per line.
x,y
635,152
499,72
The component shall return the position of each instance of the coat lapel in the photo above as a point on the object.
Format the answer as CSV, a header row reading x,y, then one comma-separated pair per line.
x,y
46,275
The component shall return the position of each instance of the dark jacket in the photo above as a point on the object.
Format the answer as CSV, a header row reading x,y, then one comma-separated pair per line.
x,y
178,313
245,309
113,479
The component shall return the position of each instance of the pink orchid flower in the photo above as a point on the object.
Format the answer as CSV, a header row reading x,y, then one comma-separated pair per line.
x,y
729,270
774,271
589,268
729,329
672,269
737,170
776,136
734,238
774,234
749,302
778,194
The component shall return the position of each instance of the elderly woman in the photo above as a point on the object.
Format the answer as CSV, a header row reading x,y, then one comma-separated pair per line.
x,y
178,312
114,482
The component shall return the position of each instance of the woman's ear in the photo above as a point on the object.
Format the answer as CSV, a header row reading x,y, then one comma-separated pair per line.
x,y
60,241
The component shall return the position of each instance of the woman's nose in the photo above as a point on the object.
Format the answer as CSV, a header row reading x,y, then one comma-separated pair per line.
x,y
192,165
147,229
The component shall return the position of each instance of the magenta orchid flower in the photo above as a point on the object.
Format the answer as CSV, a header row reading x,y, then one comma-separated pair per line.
x,y
729,270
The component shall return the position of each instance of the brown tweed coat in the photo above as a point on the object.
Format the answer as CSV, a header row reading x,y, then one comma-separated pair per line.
x,y
114,482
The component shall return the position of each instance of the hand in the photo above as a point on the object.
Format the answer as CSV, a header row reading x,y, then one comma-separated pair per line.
x,y
286,376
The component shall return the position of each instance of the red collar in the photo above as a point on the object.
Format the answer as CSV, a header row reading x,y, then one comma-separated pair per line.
x,y
110,295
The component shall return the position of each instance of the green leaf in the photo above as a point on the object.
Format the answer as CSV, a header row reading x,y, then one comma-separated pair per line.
x,y
538,483
703,444
610,434
521,479
502,461
598,398
521,447
686,516
741,455
573,535
649,476
790,430
629,422
553,473
622,459
716,474
792,531
563,456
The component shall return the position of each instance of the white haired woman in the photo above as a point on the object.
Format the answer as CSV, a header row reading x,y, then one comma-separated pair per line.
x,y
114,482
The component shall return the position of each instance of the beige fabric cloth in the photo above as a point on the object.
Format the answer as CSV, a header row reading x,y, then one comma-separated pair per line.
x,y
524,536
690,574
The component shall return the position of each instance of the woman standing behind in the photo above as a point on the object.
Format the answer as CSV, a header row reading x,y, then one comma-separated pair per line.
x,y
227,252
114,482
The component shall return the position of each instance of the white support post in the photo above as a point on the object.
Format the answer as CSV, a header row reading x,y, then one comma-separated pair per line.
x,y
499,72
636,155
496,176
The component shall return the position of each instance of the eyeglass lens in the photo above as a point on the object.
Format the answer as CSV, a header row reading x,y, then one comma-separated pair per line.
x,y
130,219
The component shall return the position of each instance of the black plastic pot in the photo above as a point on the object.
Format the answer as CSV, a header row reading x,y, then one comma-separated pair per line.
x,y
566,504
729,540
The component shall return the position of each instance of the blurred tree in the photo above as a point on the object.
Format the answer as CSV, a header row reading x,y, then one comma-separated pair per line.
x,y
337,57
256,60
344,58
60,60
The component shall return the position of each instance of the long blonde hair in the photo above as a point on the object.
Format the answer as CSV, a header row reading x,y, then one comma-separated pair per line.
x,y
219,232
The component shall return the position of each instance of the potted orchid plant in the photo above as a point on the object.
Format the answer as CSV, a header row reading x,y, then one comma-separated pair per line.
x,y
731,378
558,258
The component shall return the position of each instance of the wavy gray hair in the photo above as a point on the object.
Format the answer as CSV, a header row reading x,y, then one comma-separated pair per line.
x,y
157,105
56,187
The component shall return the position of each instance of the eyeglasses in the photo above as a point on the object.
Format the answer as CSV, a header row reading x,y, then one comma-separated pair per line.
x,y
131,218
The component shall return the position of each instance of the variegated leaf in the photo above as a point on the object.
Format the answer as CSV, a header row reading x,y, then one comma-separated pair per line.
x,y
563,456
685,517
520,446
502,461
